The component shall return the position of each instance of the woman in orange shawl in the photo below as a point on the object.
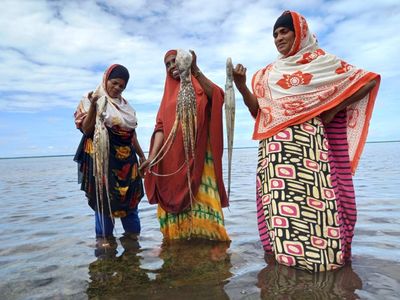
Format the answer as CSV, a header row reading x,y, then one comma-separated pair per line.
x,y
312,113
166,183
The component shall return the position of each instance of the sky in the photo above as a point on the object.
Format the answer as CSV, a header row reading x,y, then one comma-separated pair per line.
x,y
53,52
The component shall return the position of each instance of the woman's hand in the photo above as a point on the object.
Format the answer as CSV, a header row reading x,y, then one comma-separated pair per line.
x,y
327,116
93,97
194,66
195,70
89,121
142,159
239,77
143,166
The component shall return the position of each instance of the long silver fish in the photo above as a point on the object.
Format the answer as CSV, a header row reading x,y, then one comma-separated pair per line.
x,y
230,116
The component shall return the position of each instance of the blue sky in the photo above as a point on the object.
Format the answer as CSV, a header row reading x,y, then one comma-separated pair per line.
x,y
52,52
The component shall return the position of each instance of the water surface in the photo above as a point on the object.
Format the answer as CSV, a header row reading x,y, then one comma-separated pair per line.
x,y
48,250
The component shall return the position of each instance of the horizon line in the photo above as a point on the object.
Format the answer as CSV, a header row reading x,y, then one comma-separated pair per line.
x,y
244,147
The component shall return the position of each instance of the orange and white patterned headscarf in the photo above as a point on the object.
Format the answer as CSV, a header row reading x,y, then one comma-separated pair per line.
x,y
306,82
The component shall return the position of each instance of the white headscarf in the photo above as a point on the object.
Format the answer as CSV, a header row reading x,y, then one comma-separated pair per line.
x,y
118,111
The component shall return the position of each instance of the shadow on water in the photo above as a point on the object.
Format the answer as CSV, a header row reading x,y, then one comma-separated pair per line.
x,y
194,269
280,282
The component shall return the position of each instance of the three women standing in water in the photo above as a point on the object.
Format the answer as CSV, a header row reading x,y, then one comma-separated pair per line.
x,y
312,112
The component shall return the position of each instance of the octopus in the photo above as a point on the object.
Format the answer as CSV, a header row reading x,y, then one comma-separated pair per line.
x,y
101,148
186,116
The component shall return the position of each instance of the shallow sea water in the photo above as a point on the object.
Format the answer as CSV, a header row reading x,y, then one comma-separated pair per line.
x,y
48,249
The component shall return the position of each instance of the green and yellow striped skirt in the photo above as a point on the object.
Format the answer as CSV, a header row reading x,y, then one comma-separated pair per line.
x,y
204,219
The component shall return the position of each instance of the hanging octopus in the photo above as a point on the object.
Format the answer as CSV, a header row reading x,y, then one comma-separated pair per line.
x,y
186,116
101,148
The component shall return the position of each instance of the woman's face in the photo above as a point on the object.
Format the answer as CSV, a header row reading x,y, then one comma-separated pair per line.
x,y
284,39
115,87
171,66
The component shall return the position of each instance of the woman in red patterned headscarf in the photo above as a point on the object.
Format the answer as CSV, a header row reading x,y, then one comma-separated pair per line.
x,y
188,209
312,113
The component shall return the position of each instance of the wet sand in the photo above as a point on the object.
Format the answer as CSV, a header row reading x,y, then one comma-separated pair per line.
x,y
48,250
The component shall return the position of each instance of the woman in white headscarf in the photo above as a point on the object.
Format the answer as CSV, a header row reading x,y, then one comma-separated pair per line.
x,y
107,155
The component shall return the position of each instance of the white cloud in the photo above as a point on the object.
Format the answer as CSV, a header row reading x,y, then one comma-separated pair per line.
x,y
52,52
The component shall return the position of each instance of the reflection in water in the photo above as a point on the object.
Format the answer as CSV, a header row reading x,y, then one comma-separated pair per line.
x,y
195,269
111,275
280,282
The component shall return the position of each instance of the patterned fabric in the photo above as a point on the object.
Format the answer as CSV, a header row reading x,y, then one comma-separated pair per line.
x,y
305,196
125,184
341,174
305,83
205,219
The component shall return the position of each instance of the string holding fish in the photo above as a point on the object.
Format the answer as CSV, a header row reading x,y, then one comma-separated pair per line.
x,y
230,116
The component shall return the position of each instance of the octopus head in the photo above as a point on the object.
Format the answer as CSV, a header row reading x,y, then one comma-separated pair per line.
x,y
183,63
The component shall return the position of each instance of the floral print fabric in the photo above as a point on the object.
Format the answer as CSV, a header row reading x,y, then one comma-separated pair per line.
x,y
307,82
125,185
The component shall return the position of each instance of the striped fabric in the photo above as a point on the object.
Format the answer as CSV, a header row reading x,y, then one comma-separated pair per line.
x,y
341,174
205,219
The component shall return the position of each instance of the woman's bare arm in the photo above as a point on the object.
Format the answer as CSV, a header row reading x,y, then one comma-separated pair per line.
x,y
90,119
205,83
157,143
138,148
239,76
327,116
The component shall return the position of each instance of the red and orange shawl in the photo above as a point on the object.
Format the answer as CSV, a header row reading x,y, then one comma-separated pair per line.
x,y
172,192
306,82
